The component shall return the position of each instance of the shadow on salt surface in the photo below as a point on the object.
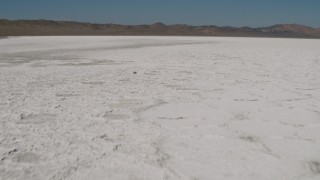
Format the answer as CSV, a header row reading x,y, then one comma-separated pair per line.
x,y
314,167
126,103
52,58
27,57
93,83
18,58
89,62
147,44
114,116
37,118
66,95
27,157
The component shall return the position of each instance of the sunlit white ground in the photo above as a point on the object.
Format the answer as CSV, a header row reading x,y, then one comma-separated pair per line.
x,y
159,108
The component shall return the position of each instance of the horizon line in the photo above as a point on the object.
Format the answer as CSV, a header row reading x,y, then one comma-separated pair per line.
x,y
159,22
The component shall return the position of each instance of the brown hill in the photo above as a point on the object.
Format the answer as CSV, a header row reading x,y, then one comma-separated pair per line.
x,y
292,28
48,27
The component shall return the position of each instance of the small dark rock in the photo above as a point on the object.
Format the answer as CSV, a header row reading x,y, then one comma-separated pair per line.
x,y
13,151
116,147
103,136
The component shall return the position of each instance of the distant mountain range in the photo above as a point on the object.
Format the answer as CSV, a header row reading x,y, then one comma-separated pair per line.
x,y
48,28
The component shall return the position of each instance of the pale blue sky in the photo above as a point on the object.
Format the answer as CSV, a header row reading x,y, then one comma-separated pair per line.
x,y
255,13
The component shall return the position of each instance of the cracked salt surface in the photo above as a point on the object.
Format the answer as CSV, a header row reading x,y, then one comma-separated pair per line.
x,y
191,108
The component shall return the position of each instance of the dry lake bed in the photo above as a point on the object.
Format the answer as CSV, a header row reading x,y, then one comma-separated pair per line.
x,y
159,108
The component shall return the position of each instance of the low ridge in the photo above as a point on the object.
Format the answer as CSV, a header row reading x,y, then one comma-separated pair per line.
x,y
48,27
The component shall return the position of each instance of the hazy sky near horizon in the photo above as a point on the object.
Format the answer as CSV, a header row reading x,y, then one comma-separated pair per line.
x,y
254,13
